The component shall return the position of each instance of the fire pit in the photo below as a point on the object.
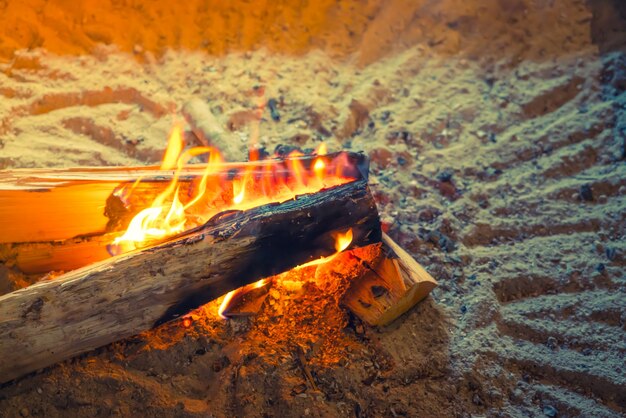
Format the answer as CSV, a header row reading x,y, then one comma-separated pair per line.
x,y
182,235
482,139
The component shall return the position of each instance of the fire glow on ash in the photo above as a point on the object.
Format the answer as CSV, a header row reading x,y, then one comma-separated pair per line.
x,y
303,308
342,241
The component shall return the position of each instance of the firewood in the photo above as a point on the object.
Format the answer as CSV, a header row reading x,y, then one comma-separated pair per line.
x,y
45,205
65,255
39,205
124,295
390,287
209,131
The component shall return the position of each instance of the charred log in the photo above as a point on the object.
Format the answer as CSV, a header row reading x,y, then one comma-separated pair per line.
x,y
62,219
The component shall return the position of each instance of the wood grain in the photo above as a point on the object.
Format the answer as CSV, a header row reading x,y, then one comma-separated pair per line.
x,y
390,287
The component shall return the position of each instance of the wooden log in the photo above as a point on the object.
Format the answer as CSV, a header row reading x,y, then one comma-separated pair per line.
x,y
210,132
39,205
43,205
124,295
63,256
390,286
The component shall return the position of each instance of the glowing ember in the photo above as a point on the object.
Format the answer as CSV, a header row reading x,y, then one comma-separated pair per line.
x,y
342,241
180,207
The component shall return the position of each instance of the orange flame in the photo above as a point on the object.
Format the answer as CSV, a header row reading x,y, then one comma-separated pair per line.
x,y
167,214
180,207
174,148
230,295
342,241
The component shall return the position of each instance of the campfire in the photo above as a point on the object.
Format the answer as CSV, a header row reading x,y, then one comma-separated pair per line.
x,y
183,205
141,246
214,208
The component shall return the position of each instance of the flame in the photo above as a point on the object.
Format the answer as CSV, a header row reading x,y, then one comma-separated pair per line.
x,y
240,291
181,206
226,302
342,241
174,148
143,227
184,205
167,215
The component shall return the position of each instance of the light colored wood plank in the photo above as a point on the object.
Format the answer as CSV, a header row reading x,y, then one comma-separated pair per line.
x,y
390,287
39,205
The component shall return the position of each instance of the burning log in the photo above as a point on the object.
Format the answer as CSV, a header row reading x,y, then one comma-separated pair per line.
x,y
124,295
39,205
62,219
390,286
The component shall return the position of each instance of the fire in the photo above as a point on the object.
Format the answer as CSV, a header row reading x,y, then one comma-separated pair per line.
x,y
175,146
167,215
241,291
184,205
342,241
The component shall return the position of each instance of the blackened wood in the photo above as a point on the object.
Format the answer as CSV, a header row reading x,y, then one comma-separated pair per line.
x,y
122,296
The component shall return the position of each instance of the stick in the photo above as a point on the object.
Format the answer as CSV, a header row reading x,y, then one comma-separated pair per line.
x,y
124,295
209,131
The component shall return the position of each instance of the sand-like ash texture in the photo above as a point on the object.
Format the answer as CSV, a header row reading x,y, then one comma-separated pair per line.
x,y
497,135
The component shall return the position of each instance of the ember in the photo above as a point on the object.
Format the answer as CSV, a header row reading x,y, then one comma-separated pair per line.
x,y
342,241
187,321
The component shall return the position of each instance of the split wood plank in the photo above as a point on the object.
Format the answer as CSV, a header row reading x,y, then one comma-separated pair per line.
x,y
390,287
